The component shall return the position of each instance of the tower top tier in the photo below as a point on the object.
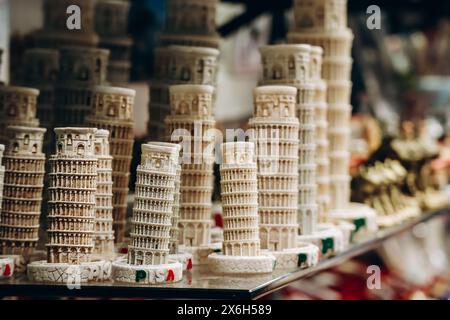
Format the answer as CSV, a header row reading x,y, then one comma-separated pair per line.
x,y
25,140
191,100
18,104
111,18
113,103
75,142
158,157
320,15
102,143
41,66
238,153
274,101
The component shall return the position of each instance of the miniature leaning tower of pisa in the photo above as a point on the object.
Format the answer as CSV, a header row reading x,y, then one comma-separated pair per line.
x,y
22,195
71,215
148,252
239,191
2,176
80,69
322,160
192,122
56,32
112,110
198,28
176,65
324,23
18,107
104,233
111,24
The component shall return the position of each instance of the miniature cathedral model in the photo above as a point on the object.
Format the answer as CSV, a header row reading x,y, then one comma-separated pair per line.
x,y
71,215
239,193
148,253
22,195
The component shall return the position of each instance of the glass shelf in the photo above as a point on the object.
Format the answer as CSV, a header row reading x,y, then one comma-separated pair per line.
x,y
200,283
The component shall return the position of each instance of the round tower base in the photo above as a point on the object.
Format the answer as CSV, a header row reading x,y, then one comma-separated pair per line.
x,y
200,254
221,264
147,274
328,238
362,216
6,267
305,256
184,258
71,274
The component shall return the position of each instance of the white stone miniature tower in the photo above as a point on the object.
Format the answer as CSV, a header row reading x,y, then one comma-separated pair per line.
x,y
322,160
71,215
17,108
239,192
113,110
149,250
197,28
22,194
290,65
81,69
275,135
192,122
176,65
56,33
111,24
324,23
104,233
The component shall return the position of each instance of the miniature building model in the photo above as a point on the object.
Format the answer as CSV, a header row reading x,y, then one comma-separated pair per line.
x,y
198,28
22,194
176,65
56,32
17,108
275,134
322,160
290,65
111,24
324,23
41,70
239,193
104,234
73,185
80,70
2,175
112,110
152,213
191,121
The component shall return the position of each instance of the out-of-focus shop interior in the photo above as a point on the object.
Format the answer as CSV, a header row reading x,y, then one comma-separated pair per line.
x,y
399,147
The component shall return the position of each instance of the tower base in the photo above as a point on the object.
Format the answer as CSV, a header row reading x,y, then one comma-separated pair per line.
x,y
6,267
221,264
147,274
362,216
200,254
305,256
328,238
184,258
72,274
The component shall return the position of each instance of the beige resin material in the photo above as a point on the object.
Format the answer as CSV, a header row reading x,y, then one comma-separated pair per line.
x,y
2,175
177,65
239,193
112,110
73,186
197,28
55,32
275,130
22,194
329,30
104,233
111,24
191,122
290,65
18,107
153,205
